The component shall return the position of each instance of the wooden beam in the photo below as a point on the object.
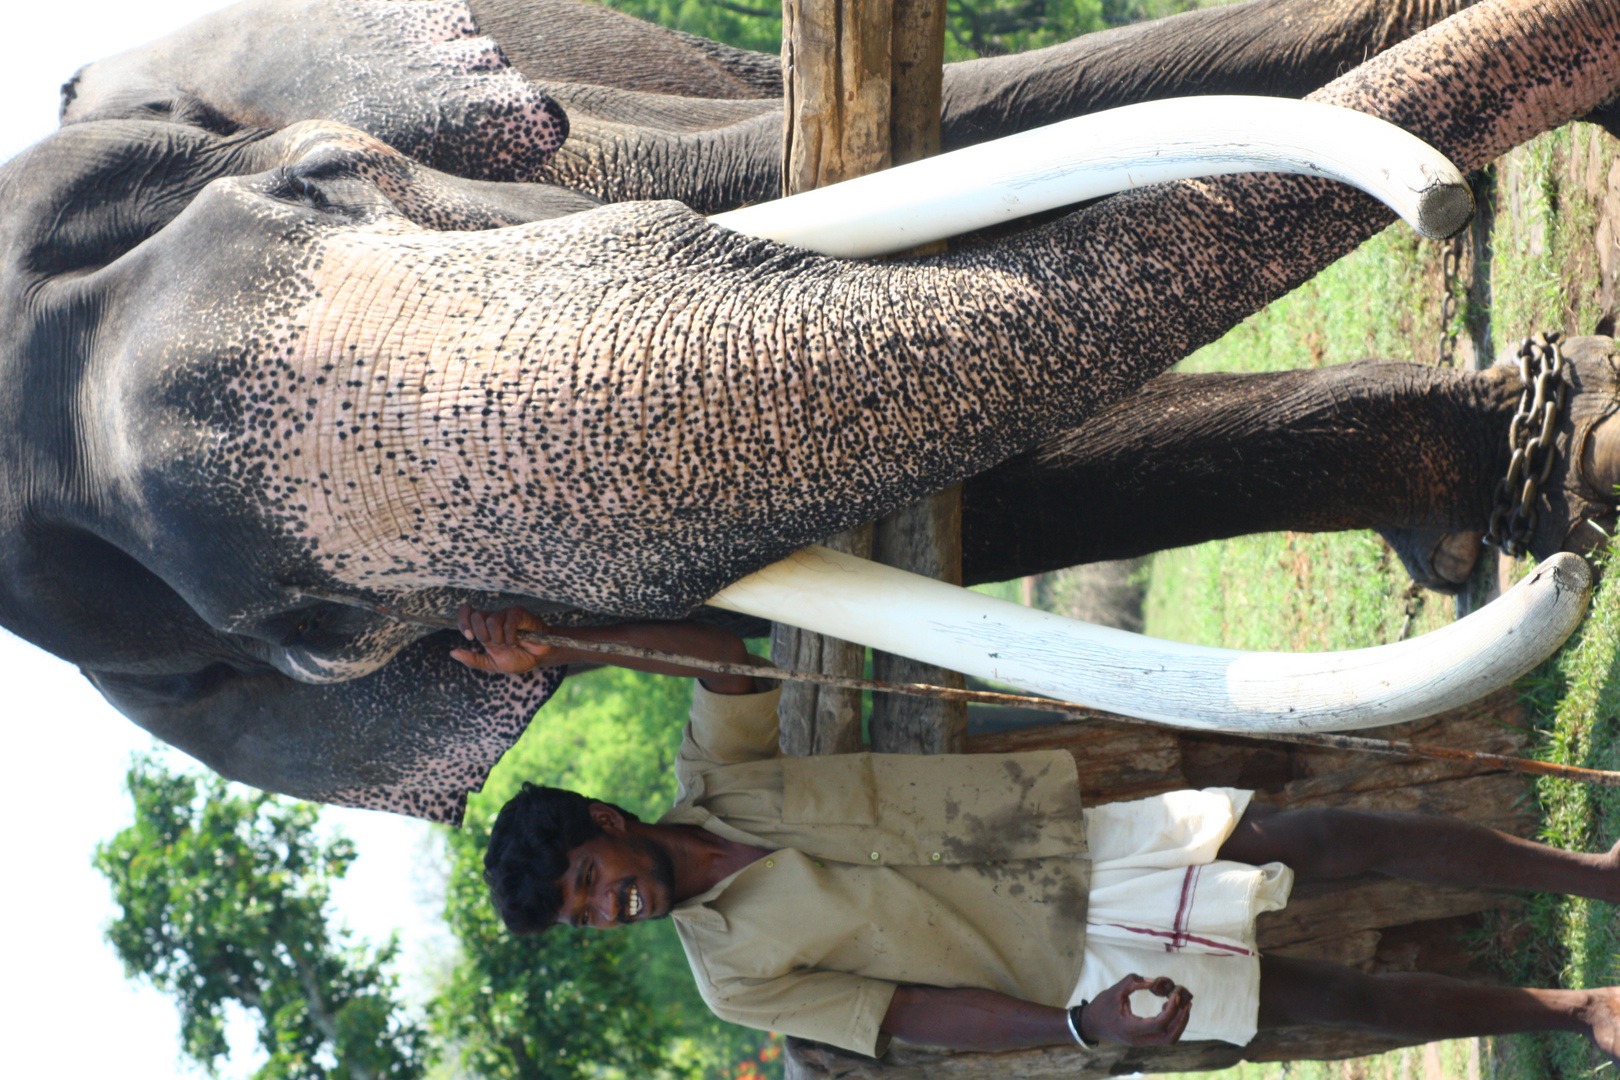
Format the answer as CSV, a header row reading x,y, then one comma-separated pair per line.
x,y
926,537
836,86
862,80
836,76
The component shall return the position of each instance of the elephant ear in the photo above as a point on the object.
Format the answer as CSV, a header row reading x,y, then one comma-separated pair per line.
x,y
415,737
416,74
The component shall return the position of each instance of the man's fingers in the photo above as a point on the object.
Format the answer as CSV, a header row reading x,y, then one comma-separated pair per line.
x,y
1183,1014
477,660
1171,1022
506,627
1160,1030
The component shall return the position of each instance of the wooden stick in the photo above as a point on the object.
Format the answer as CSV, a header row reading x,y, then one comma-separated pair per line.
x,y
1392,747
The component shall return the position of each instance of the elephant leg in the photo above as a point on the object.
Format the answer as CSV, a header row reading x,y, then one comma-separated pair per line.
x,y
1413,451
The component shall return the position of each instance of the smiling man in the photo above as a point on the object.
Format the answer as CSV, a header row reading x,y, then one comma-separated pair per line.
x,y
969,901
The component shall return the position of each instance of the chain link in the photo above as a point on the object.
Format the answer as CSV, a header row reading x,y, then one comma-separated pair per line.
x,y
1532,443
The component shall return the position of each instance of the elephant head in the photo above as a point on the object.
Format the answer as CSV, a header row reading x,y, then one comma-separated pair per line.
x,y
242,365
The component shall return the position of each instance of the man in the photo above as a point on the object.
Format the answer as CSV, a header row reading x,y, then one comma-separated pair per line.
x,y
968,901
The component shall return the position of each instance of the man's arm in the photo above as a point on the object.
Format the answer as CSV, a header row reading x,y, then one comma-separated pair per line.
x,y
965,1018
506,653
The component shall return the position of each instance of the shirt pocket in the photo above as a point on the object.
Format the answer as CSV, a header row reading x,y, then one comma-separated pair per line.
x,y
834,790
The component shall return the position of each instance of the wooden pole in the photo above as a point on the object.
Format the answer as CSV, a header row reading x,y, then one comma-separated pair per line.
x,y
862,82
861,78
836,126
925,537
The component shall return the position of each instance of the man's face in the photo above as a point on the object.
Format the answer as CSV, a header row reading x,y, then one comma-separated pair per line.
x,y
616,879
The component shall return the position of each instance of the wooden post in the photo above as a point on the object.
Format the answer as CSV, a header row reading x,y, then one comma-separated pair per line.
x,y
926,537
836,87
862,83
836,126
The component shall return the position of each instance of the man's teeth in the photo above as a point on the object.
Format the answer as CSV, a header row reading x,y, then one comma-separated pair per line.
x,y
635,902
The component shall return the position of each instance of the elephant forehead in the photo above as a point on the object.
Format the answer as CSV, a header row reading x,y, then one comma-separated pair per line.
x,y
621,410
487,407
545,410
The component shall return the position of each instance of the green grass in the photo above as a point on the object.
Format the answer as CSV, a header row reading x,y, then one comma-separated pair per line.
x,y
1574,943
1303,591
1296,591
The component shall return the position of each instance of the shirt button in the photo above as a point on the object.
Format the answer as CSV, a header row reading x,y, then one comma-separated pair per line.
x,y
770,862
874,856
935,856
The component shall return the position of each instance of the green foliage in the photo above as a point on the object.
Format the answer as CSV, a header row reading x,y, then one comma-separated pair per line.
x,y
582,1003
223,899
745,24
611,733
975,27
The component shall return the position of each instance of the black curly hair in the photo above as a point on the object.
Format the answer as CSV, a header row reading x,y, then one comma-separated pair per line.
x,y
528,853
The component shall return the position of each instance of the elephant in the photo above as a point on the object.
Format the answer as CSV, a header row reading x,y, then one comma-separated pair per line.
x,y
256,354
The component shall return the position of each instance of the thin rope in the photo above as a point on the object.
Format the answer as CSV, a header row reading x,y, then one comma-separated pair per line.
x,y
762,670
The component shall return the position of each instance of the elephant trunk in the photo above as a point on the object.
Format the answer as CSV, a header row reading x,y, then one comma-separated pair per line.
x,y
710,170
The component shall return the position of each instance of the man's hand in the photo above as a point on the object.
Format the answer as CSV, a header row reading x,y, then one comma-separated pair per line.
x,y
1108,1016
504,651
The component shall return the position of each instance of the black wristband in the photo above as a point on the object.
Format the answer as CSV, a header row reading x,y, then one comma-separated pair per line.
x,y
1076,1030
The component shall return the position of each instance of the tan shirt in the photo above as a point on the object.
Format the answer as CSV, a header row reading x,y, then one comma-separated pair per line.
x,y
945,870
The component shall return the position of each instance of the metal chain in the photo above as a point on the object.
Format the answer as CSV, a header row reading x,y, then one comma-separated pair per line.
x,y
1451,261
1413,603
1531,441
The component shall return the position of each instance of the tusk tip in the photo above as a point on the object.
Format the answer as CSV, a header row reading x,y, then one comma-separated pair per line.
x,y
1569,571
1444,210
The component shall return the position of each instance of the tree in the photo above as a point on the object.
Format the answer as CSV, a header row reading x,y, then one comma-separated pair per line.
x,y
224,899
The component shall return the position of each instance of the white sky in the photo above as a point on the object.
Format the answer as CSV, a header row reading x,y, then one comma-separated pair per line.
x,y
66,997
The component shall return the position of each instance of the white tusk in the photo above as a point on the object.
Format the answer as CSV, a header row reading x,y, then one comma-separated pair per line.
x,y
1111,151
1186,685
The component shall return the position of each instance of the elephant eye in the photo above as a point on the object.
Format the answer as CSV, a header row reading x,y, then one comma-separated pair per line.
x,y
297,187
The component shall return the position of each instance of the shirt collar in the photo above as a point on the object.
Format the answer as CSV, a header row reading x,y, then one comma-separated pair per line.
x,y
696,911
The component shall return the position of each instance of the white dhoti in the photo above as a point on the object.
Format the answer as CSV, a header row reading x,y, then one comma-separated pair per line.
x,y
1162,905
